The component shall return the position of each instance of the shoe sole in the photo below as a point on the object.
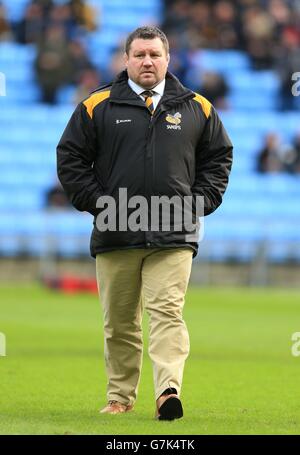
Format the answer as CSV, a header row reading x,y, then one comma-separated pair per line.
x,y
171,409
115,412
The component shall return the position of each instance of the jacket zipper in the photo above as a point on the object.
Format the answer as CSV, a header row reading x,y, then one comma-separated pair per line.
x,y
147,154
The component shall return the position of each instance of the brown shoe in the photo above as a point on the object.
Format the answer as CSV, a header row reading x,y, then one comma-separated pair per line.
x,y
115,407
168,407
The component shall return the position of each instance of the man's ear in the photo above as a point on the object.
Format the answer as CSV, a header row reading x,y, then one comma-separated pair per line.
x,y
125,57
168,58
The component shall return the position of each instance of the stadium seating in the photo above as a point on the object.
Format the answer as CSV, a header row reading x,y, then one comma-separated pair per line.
x,y
258,212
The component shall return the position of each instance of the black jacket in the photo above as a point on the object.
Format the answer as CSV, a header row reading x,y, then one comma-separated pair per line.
x,y
112,142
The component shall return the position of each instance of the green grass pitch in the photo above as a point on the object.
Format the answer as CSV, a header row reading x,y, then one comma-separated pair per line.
x,y
240,377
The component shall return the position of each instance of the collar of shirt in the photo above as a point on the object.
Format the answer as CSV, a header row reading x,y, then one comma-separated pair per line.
x,y
159,91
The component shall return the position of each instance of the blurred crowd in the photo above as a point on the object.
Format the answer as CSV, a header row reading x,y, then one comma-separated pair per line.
x,y
278,156
268,30
58,30
265,29
5,30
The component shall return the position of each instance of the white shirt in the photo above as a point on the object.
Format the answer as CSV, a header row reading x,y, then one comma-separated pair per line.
x,y
158,91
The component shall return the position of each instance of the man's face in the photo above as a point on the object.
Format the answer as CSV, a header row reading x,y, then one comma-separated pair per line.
x,y
147,62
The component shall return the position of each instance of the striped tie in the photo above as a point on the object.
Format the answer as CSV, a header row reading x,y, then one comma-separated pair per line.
x,y
147,94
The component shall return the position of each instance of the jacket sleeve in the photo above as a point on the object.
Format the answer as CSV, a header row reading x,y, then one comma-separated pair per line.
x,y
213,163
76,152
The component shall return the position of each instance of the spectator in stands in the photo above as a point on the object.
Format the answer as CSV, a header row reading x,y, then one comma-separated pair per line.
x,y
84,15
179,57
227,25
259,29
280,157
80,60
5,32
56,197
45,5
89,81
53,64
296,144
214,87
201,29
32,26
270,157
282,12
115,65
61,16
292,158
177,17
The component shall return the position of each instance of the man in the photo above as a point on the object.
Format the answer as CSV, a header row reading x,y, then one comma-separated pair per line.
x,y
150,135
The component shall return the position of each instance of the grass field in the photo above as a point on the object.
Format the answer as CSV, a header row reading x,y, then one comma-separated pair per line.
x,y
240,377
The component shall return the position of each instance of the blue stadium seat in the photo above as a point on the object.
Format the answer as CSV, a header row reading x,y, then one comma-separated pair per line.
x,y
280,252
252,101
221,61
12,199
15,93
119,5
11,52
283,229
15,9
24,74
66,95
20,177
258,82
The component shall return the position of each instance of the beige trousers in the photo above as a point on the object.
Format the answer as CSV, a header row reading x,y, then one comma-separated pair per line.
x,y
129,280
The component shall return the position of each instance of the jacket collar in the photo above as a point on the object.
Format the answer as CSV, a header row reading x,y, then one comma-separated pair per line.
x,y
174,92
158,89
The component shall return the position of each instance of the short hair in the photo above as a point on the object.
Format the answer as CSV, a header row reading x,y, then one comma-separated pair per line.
x,y
147,32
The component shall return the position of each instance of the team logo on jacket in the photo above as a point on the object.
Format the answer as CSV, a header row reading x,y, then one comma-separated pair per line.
x,y
175,121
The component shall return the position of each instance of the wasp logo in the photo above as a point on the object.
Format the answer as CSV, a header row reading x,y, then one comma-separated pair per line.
x,y
175,120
